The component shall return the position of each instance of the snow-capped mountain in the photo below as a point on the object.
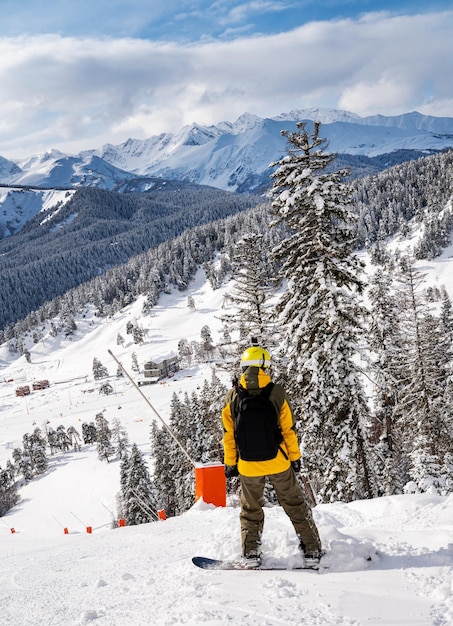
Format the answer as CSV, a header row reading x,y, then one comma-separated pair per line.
x,y
55,169
236,156
230,156
8,169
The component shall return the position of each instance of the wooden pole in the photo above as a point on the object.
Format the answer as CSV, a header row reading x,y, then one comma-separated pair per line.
x,y
172,434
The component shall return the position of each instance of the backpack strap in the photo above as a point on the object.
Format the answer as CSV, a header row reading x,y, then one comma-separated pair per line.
x,y
266,392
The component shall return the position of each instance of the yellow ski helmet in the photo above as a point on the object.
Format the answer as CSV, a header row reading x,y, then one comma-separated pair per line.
x,y
256,357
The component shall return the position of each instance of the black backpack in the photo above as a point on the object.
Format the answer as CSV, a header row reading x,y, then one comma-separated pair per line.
x,y
256,426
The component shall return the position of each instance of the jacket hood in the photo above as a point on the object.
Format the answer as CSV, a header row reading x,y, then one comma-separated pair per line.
x,y
254,378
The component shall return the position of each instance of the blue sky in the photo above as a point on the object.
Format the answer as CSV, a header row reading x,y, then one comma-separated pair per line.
x,y
76,75
186,20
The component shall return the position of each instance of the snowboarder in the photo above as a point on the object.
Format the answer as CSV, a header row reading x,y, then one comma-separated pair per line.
x,y
281,468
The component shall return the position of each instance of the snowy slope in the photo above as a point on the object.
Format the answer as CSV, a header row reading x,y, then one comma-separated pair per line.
x,y
19,206
390,560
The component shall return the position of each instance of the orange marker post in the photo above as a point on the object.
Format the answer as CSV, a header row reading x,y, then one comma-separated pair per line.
x,y
210,484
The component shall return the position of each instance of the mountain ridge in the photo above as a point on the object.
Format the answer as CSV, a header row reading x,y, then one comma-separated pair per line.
x,y
231,156
227,154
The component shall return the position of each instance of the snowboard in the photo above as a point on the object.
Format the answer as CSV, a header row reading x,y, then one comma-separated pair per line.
x,y
218,564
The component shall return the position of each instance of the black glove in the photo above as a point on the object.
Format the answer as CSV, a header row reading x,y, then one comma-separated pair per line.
x,y
296,465
231,471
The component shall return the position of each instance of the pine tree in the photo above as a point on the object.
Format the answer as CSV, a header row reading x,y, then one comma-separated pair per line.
x,y
251,292
124,469
135,366
137,496
386,343
52,440
183,425
63,439
119,438
37,452
74,437
173,473
446,317
425,411
191,303
99,370
8,491
320,314
103,438
163,472
138,335
206,346
89,433
209,430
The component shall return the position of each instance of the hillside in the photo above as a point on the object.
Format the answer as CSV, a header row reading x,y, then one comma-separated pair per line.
x,y
92,230
390,560
95,231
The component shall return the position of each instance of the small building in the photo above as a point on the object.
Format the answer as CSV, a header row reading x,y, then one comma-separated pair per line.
x,y
155,370
23,391
40,384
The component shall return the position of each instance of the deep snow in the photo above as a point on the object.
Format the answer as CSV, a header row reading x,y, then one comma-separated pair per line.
x,y
390,560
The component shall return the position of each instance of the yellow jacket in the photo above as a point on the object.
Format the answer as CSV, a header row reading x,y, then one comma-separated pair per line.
x,y
254,378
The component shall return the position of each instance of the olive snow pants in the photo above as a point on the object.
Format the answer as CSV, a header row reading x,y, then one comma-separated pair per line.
x,y
292,500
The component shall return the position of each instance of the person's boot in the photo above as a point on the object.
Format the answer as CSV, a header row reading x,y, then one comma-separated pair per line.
x,y
312,559
251,560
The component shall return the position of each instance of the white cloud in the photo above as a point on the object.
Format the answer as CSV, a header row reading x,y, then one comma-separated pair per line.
x,y
74,93
243,11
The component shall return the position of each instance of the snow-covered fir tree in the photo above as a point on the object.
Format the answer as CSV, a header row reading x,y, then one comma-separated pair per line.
x,y
120,439
446,316
183,423
251,292
63,439
8,489
138,505
135,366
99,370
209,429
386,344
163,475
37,452
89,433
74,437
425,410
103,438
321,316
